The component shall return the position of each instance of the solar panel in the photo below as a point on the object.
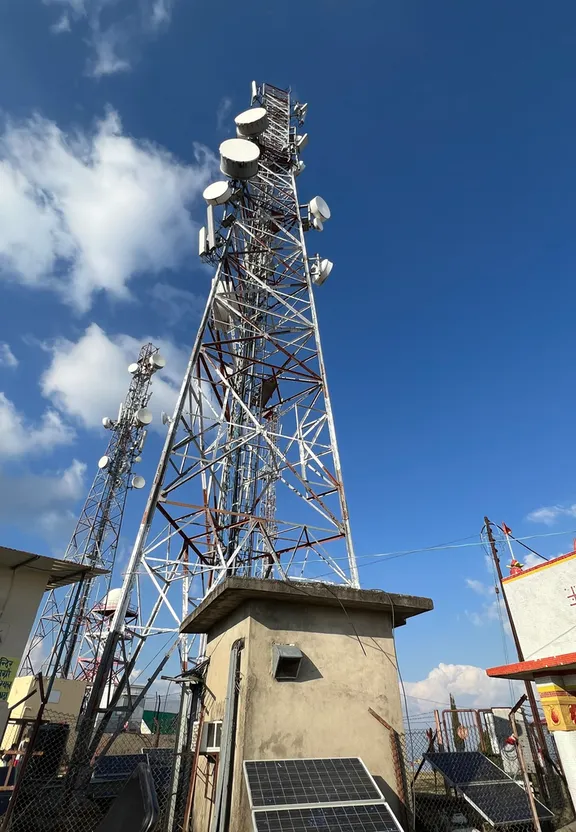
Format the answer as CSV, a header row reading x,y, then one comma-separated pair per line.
x,y
159,756
300,782
504,803
487,788
462,767
116,766
374,817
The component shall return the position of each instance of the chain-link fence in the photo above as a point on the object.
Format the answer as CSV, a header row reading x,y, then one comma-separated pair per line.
x,y
467,772
62,790
481,786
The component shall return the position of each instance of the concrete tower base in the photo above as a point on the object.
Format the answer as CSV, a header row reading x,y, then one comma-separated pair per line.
x,y
293,669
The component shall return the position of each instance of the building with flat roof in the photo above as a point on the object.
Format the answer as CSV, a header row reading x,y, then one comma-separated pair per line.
x,y
542,603
294,669
24,577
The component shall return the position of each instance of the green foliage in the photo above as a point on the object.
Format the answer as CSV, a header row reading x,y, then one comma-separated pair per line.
x,y
459,743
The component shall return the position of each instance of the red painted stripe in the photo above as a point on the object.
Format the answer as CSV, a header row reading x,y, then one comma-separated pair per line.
x,y
545,563
533,666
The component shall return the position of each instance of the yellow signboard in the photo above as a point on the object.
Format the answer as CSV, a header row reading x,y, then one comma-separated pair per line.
x,y
8,669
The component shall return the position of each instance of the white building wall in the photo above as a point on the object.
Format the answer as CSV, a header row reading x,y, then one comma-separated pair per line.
x,y
21,591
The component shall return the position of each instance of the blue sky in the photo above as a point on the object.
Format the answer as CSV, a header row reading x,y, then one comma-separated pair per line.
x,y
442,134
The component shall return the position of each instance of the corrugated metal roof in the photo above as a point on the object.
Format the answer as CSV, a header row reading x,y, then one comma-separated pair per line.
x,y
60,572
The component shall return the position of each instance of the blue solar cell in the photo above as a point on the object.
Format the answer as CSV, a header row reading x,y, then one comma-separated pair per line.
x,y
503,803
363,818
466,767
486,787
116,767
295,782
159,756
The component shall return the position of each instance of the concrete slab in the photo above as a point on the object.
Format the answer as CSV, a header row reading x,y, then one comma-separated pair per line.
x,y
233,592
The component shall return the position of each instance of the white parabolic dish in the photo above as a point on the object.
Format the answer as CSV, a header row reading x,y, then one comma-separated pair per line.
x,y
319,208
239,150
252,122
143,416
239,158
326,267
157,361
217,193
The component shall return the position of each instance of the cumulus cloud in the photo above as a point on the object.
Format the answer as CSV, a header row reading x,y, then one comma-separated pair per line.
x,y
88,212
107,45
469,684
87,379
531,560
174,303
549,515
7,357
21,437
490,610
487,614
478,587
118,28
47,497
223,112
62,25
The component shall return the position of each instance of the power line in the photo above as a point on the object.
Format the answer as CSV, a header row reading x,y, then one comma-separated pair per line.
x,y
393,555
509,534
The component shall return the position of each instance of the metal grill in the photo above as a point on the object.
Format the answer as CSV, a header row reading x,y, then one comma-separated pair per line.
x,y
46,800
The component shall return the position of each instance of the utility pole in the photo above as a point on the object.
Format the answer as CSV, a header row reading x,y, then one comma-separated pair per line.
x,y
529,689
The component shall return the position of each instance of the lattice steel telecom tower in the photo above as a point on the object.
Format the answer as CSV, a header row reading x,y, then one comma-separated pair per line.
x,y
249,480
68,638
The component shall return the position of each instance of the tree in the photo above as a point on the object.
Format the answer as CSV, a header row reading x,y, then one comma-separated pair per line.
x,y
485,746
459,742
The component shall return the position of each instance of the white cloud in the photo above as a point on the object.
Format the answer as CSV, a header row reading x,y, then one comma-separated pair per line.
x,y
107,50
118,28
489,611
223,112
7,357
531,560
470,686
161,12
88,212
76,6
174,303
87,379
549,515
19,437
487,614
61,26
47,497
478,587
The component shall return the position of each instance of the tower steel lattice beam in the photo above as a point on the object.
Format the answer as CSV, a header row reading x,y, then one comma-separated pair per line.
x,y
68,636
249,480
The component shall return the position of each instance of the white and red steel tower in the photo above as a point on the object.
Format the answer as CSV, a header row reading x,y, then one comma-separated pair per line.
x,y
67,640
249,481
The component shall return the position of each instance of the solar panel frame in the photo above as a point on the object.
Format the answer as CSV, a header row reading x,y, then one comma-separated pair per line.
x,y
472,793
162,756
330,817
116,767
473,788
371,791
485,771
